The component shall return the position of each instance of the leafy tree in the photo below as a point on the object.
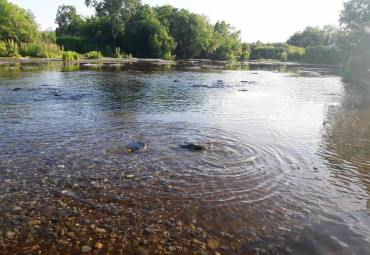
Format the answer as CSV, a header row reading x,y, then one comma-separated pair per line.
x,y
17,23
227,41
355,20
116,12
69,22
311,36
147,37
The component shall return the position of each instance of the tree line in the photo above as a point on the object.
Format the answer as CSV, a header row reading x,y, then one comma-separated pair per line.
x,y
129,27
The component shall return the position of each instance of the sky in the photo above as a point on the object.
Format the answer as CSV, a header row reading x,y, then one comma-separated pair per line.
x,y
263,20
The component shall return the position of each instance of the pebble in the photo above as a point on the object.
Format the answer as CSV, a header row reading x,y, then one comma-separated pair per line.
x,y
100,230
33,222
17,208
284,229
98,246
10,234
71,234
86,248
141,251
149,231
212,244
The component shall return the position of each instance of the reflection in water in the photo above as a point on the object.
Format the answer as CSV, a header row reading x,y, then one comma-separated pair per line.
x,y
346,147
273,179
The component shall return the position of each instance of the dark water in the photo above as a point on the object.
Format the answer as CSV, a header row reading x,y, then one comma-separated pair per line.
x,y
286,168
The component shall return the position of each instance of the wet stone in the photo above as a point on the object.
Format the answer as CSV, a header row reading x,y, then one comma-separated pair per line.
x,y
212,244
85,248
141,251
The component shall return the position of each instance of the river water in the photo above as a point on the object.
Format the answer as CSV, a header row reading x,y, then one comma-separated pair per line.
x,y
286,169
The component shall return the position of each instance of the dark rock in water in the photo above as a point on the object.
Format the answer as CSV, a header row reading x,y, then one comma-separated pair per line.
x,y
176,81
193,147
137,146
16,89
243,90
57,95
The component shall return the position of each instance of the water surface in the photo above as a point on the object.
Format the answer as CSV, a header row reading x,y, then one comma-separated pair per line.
x,y
285,170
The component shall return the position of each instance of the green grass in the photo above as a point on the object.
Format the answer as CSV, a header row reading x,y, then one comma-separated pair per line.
x,y
94,55
40,50
70,56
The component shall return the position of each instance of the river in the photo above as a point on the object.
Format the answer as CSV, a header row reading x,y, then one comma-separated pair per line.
x,y
285,170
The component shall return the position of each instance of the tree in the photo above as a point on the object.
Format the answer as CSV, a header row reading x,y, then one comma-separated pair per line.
x,y
116,12
355,20
227,42
146,37
69,22
17,23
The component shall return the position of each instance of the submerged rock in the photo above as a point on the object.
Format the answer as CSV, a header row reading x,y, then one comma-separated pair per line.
x,y
137,146
193,147
16,89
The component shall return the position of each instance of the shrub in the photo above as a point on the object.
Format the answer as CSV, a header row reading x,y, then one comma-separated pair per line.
x,y
94,55
11,49
284,56
70,55
324,55
2,49
40,50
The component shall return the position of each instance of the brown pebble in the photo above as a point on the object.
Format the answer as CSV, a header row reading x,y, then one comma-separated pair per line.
x,y
141,251
212,244
98,246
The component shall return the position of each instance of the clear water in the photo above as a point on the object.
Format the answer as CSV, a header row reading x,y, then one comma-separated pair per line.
x,y
286,167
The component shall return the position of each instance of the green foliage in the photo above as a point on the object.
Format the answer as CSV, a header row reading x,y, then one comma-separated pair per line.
x,y
284,56
324,55
355,19
71,43
70,55
40,50
3,50
11,49
69,22
311,36
94,55
267,52
16,23
357,69
294,53
48,37
146,37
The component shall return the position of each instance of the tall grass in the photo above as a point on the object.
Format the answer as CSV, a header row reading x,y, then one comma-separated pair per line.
x,y
94,55
8,48
70,55
41,50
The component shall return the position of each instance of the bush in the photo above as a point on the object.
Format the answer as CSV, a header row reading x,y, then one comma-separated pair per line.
x,y
357,69
324,55
94,55
267,52
284,56
11,49
2,49
40,50
71,43
70,55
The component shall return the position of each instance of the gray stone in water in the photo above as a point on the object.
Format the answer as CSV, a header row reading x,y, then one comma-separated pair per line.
x,y
137,146
193,147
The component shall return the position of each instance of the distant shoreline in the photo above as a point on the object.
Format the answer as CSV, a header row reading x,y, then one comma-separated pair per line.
x,y
107,60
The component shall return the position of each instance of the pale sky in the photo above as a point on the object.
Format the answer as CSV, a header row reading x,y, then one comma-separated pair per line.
x,y
264,20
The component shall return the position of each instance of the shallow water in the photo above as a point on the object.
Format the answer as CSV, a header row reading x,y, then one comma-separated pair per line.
x,y
285,170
